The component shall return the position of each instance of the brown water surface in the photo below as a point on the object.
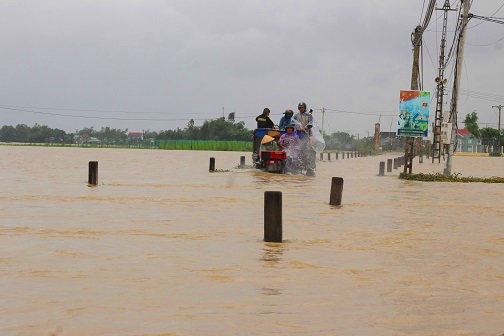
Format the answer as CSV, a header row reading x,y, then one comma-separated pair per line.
x,y
163,247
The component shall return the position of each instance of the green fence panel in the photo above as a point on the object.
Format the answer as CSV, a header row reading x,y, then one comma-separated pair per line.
x,y
209,145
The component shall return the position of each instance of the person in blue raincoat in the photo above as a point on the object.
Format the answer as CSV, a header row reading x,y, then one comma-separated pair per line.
x,y
286,119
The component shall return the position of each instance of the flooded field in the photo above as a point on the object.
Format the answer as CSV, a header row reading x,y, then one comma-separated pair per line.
x,y
163,247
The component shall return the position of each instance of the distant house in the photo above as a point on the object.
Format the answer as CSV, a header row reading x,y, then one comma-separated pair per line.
x,y
81,138
466,142
135,136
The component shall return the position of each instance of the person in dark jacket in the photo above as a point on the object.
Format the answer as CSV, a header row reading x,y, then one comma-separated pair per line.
x,y
263,120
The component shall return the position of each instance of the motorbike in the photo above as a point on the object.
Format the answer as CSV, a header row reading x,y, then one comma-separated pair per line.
x,y
266,154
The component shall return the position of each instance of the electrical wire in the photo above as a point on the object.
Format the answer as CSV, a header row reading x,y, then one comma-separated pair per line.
x,y
423,6
490,16
361,113
106,118
86,110
486,18
485,45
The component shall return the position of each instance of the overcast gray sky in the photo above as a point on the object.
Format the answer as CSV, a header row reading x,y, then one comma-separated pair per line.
x,y
73,64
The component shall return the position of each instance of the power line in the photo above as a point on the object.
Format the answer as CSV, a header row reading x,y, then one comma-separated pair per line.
x,y
361,113
485,45
470,15
89,110
486,18
101,118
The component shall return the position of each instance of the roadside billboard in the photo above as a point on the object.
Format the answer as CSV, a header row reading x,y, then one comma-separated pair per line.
x,y
413,118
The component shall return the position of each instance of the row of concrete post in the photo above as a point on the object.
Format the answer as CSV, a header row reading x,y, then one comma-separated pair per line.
x,y
272,202
395,163
273,210
348,155
273,199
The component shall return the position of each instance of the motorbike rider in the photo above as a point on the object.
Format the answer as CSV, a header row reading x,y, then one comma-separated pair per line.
x,y
263,120
308,154
291,144
286,119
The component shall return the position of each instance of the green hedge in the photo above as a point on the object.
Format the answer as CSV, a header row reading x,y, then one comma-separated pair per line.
x,y
210,145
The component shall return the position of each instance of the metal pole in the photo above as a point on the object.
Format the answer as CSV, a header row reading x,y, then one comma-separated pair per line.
x,y
323,115
500,108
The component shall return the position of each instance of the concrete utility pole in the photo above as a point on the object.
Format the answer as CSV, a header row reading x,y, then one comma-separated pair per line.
x,y
416,39
456,85
500,108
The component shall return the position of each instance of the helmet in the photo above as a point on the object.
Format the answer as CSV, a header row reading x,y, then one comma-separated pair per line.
x,y
288,113
302,104
290,126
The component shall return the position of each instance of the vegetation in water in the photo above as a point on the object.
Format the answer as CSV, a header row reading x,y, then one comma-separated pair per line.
x,y
455,177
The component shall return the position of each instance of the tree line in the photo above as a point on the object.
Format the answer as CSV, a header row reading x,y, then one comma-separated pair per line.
x,y
216,129
489,136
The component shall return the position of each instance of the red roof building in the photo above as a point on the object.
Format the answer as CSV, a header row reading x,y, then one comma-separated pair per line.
x,y
466,142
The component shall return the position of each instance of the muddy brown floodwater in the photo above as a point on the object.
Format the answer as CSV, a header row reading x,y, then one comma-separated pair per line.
x,y
163,247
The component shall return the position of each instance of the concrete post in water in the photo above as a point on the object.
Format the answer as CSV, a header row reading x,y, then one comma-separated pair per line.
x,y
336,191
389,165
382,168
337,155
273,216
242,161
93,173
212,164
347,155
328,156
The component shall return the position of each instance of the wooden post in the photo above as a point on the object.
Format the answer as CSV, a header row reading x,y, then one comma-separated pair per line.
x,y
389,165
212,164
342,155
337,154
336,191
273,216
328,156
93,173
242,161
321,156
347,155
382,168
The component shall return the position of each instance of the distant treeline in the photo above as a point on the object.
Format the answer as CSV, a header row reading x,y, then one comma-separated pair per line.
x,y
215,130
218,129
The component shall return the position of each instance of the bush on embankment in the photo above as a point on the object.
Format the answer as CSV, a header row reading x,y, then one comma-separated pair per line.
x,y
437,177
